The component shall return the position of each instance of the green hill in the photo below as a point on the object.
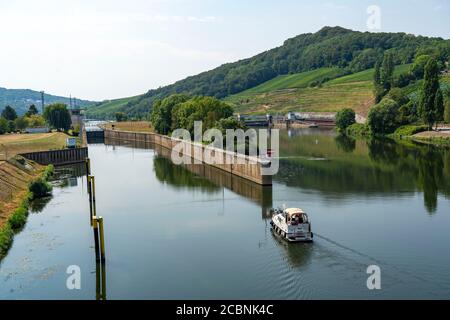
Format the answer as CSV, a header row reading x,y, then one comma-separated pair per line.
x,y
107,109
21,99
321,54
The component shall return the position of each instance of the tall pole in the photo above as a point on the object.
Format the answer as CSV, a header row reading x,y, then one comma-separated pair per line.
x,y
42,101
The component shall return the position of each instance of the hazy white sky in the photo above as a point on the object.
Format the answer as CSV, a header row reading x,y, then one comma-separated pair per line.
x,y
103,49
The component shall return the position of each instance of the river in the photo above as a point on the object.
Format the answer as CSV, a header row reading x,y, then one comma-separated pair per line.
x,y
175,234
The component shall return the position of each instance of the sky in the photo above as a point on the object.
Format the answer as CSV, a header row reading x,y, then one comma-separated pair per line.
x,y
105,49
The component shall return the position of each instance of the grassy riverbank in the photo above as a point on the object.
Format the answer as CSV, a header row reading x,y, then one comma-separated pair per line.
x,y
21,181
416,133
13,144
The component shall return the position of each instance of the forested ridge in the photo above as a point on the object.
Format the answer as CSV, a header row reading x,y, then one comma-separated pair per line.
x,y
352,51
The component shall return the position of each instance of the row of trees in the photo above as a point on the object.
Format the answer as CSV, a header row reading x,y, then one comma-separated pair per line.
x,y
11,122
55,115
395,107
180,111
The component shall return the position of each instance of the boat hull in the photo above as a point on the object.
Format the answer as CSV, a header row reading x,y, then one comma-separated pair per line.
x,y
291,237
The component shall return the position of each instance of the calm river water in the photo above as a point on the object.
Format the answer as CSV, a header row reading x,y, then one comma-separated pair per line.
x,y
173,234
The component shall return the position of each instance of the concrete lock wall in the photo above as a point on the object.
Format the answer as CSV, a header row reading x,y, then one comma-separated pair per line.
x,y
237,164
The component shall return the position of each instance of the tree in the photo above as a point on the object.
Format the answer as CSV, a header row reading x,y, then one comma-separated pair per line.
x,y
21,123
4,127
398,95
120,116
35,121
31,111
439,107
418,67
387,71
407,113
378,88
345,118
429,103
229,123
404,79
161,114
206,109
447,112
11,126
58,116
382,117
366,59
9,113
383,79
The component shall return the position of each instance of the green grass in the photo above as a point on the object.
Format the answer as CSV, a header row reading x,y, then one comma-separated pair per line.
x,y
298,80
291,93
107,108
6,238
366,75
18,218
327,98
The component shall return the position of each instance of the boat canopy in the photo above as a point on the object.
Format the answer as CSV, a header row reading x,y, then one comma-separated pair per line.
x,y
294,211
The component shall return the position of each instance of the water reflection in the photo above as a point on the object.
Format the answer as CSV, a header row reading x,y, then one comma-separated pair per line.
x,y
345,143
206,178
179,177
431,177
100,281
38,205
319,160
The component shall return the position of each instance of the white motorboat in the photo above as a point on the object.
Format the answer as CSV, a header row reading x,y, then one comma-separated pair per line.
x,y
292,224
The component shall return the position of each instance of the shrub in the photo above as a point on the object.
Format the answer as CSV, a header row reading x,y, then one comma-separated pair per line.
x,y
398,95
407,113
76,130
345,118
48,172
6,236
358,130
409,130
18,218
382,117
120,116
39,188
21,123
